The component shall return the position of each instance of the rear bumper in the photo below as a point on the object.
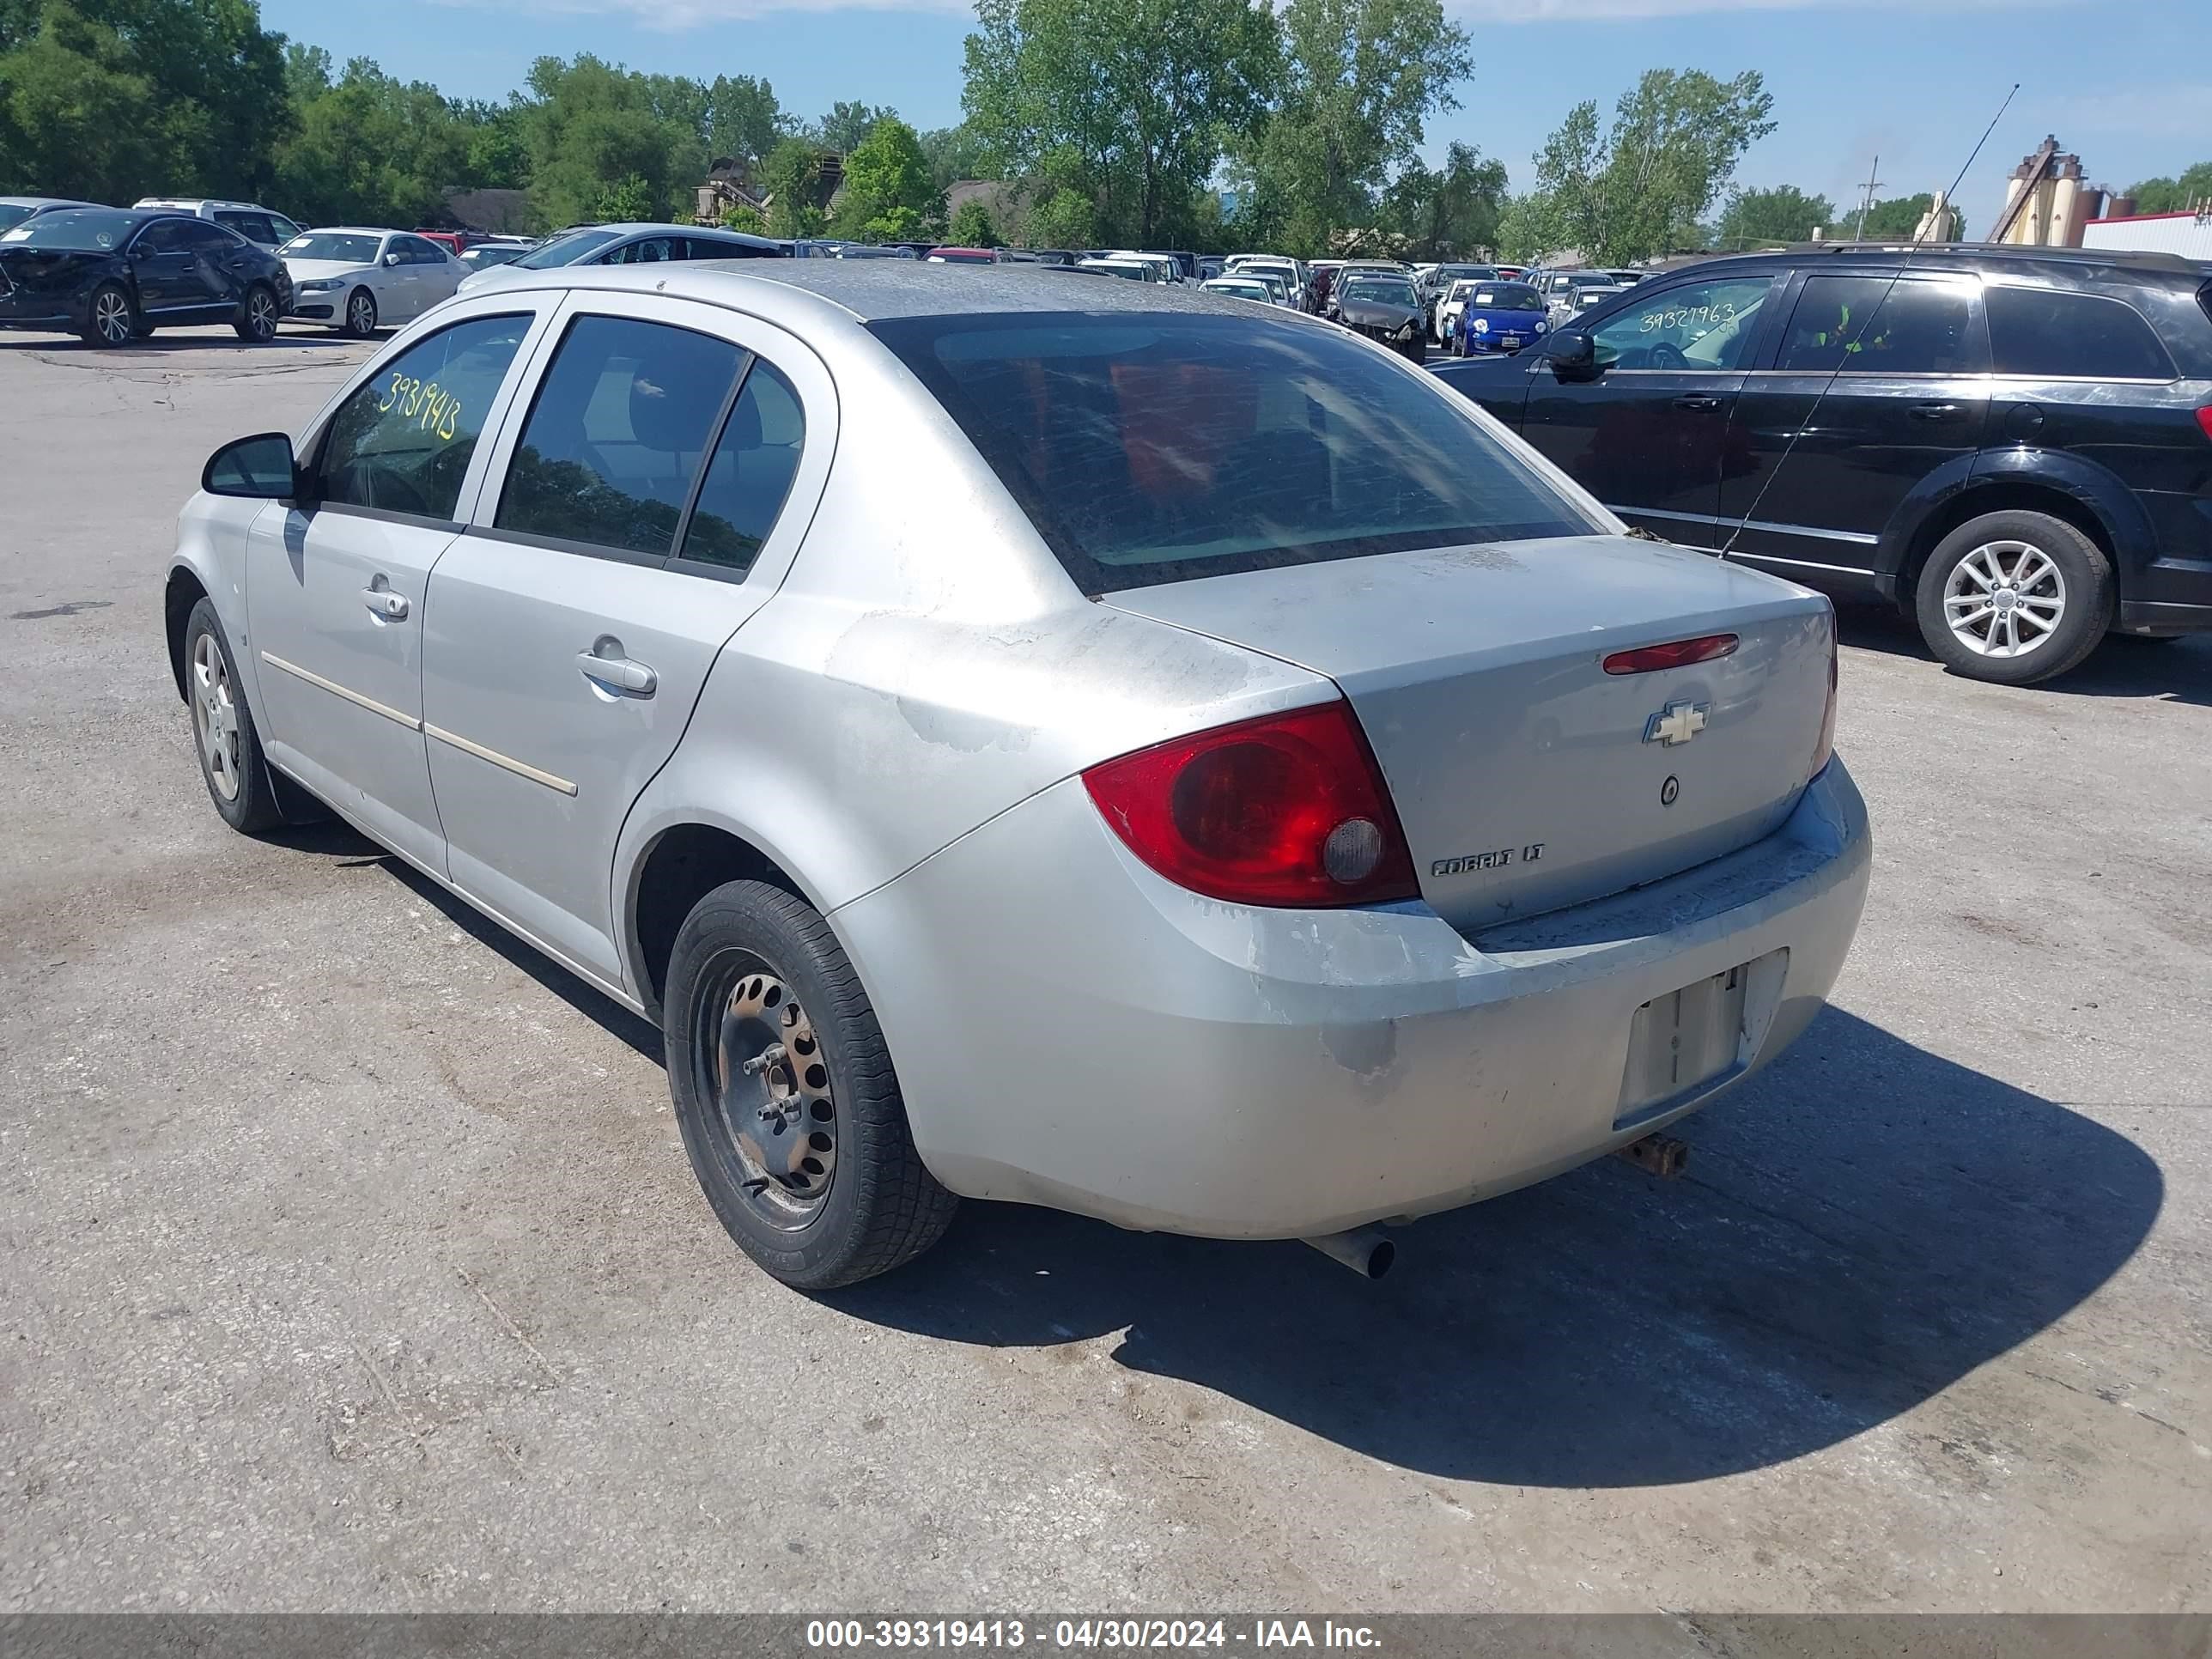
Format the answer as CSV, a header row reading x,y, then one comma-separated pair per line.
x,y
1070,1029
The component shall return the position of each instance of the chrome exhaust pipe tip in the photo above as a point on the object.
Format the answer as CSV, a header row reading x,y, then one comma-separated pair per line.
x,y
1365,1250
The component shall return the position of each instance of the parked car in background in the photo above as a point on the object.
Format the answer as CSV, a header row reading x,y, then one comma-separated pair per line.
x,y
1568,294
13,209
1505,317
1627,278
1133,271
1383,306
1435,287
259,225
1448,310
358,280
1297,278
631,244
111,274
494,251
1209,266
2013,444
1208,700
1243,287
965,256
455,242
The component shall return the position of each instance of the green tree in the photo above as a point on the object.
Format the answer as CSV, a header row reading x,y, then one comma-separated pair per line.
x,y
744,218
115,99
368,148
792,175
848,123
955,153
1360,79
1526,231
1446,213
1893,221
1128,101
888,191
592,125
498,147
1783,214
2163,195
625,201
972,227
1640,189
743,119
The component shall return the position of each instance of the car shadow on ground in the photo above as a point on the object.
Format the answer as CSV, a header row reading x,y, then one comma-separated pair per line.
x,y
2173,671
1862,1226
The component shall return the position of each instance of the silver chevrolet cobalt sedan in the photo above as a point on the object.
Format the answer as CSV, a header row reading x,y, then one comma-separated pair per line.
x,y
1030,737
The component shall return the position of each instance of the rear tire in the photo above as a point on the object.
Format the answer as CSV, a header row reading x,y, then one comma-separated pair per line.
x,y
2015,597
256,322
806,1157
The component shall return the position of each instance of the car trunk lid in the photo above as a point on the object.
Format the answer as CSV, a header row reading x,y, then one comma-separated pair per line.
x,y
1527,777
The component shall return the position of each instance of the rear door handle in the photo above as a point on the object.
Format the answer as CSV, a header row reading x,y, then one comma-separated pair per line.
x,y
1935,411
383,602
618,674
1701,401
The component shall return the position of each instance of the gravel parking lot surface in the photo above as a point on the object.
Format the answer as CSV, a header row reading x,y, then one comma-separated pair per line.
x,y
351,1261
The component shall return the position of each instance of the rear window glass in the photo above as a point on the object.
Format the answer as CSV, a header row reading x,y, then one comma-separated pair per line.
x,y
1150,449
2038,331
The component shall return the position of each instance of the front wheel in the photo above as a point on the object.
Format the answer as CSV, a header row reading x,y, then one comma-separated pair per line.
x,y
2015,597
110,319
785,1094
223,729
257,316
361,314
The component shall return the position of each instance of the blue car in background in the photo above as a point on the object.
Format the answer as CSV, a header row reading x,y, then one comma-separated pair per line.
x,y
1500,317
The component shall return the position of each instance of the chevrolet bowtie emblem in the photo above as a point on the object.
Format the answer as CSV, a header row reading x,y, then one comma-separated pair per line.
x,y
1678,722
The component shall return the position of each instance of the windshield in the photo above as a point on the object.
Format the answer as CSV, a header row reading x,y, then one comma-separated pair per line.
x,y
338,245
14,213
1512,296
1150,449
1379,290
491,256
83,228
565,249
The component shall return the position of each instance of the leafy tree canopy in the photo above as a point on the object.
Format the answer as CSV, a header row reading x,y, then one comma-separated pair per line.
x,y
889,193
2174,194
1783,214
972,227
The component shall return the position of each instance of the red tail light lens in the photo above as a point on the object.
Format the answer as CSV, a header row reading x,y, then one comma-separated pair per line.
x,y
1826,746
1287,808
2205,419
1675,653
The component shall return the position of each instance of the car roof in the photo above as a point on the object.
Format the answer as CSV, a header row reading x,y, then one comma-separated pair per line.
x,y
875,290
358,230
1958,256
44,201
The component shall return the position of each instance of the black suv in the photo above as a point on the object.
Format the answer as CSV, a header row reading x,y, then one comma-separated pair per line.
x,y
2013,444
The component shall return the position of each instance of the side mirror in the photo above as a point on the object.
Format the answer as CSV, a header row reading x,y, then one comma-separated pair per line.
x,y
392,258
1573,356
259,468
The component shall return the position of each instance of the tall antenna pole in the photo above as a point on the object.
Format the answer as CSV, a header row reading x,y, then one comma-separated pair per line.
x,y
1866,201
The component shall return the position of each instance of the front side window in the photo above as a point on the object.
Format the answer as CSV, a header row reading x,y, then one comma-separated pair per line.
x,y
755,460
416,251
647,251
402,442
1698,325
1883,325
2057,335
565,249
166,236
616,435
1150,449
201,237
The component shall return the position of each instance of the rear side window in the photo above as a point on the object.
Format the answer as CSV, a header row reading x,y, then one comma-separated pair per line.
x,y
402,443
1883,325
755,461
201,237
1156,448
621,422
2059,335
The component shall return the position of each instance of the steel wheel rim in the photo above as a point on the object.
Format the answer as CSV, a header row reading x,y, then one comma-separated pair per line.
x,y
362,313
260,317
110,315
215,717
2004,599
756,1058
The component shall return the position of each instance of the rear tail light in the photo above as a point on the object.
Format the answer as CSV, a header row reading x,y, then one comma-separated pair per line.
x,y
1826,746
2205,419
1675,653
1287,810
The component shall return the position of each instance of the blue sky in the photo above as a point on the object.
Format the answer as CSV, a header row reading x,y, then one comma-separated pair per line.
x,y
1914,80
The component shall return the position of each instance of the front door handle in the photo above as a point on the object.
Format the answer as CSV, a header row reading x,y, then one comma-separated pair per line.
x,y
383,602
1935,411
1703,403
618,674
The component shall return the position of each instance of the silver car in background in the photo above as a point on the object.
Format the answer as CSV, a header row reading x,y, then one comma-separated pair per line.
x,y
358,279
1127,750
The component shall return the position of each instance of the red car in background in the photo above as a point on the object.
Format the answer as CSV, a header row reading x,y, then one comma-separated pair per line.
x,y
452,240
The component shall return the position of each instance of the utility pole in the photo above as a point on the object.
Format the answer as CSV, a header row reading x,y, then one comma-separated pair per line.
x,y
1866,201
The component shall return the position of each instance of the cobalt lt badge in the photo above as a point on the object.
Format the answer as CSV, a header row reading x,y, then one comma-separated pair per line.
x,y
1678,722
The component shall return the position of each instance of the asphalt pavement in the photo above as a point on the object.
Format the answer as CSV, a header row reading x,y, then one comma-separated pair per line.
x,y
352,1262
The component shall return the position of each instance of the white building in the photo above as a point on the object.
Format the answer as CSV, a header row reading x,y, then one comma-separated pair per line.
x,y
2189,234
